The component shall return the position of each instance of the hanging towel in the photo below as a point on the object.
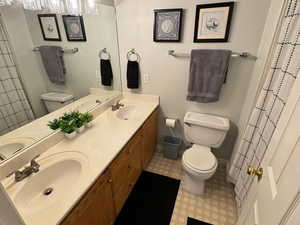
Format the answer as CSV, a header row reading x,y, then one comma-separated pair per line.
x,y
208,69
52,57
133,74
106,72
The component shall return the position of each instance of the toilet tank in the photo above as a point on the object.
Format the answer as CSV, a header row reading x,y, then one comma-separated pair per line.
x,y
55,100
205,129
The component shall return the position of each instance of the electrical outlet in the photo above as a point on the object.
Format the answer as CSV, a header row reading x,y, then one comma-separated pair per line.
x,y
146,78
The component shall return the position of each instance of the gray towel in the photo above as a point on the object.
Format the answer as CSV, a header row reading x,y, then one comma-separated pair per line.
x,y
52,57
208,69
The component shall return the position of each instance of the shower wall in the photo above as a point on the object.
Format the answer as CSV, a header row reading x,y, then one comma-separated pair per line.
x,y
15,110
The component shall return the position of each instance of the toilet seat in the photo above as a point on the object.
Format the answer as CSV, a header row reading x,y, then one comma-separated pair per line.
x,y
200,159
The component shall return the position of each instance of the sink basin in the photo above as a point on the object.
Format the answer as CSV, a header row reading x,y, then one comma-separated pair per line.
x,y
90,104
8,150
128,112
56,181
87,106
9,146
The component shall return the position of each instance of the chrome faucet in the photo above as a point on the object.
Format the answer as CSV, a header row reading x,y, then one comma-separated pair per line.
x,y
115,107
27,171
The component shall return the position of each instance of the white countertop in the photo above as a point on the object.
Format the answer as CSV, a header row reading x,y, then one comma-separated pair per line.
x,y
99,144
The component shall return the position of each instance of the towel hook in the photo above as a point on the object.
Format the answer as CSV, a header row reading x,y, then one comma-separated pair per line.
x,y
104,52
133,52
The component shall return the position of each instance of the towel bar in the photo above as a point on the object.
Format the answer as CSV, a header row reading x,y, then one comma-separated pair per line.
x,y
71,51
234,54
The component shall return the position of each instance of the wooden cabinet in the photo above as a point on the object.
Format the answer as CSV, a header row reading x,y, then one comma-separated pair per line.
x,y
149,138
96,207
126,169
105,199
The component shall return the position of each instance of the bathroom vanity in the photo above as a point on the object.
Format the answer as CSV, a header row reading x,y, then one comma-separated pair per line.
x,y
87,180
103,201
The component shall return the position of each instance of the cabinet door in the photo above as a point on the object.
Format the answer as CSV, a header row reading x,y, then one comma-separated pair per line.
x,y
121,196
135,158
149,138
119,170
105,209
96,207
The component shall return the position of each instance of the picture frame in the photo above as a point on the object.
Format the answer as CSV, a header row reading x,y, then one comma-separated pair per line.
x,y
49,27
167,25
212,22
74,27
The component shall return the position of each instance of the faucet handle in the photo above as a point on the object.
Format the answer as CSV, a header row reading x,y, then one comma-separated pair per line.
x,y
34,165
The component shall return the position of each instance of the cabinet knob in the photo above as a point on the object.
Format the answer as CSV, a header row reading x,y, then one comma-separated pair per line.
x,y
110,181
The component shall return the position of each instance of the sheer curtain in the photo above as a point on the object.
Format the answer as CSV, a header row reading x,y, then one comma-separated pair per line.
x,y
284,69
74,7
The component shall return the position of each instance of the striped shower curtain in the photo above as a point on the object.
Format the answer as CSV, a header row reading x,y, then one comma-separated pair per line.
x,y
15,110
285,66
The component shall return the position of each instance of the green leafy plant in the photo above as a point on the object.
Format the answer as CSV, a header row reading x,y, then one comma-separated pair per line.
x,y
67,126
54,124
86,117
66,116
70,121
78,121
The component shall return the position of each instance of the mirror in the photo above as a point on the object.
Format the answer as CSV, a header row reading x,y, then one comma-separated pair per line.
x,y
39,83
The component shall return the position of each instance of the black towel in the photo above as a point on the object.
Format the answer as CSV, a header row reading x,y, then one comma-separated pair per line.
x,y
132,74
106,72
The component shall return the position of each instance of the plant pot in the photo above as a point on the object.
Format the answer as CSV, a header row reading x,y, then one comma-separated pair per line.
x,y
89,124
80,129
70,135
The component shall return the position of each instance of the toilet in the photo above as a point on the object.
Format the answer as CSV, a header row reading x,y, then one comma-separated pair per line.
x,y
204,131
56,100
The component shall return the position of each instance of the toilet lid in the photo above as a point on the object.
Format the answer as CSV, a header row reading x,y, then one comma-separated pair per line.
x,y
199,158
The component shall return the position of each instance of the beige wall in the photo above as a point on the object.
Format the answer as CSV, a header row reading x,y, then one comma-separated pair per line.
x,y
82,67
169,76
22,45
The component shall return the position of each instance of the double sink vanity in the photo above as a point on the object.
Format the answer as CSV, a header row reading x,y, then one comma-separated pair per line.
x,y
86,180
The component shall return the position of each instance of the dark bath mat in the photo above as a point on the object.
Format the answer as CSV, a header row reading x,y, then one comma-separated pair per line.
x,y
191,221
151,201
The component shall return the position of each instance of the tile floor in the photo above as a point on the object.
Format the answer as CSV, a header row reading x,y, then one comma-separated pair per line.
x,y
216,206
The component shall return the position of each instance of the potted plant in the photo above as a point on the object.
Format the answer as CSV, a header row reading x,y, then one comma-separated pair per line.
x,y
54,124
67,116
68,128
87,118
79,123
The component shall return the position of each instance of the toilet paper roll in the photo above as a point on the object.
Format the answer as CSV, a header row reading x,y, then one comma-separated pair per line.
x,y
170,122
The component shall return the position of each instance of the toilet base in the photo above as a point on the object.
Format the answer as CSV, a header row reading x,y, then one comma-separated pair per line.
x,y
192,185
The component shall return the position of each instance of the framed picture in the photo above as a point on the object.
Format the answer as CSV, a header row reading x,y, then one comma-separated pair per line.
x,y
167,25
212,22
49,27
74,27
